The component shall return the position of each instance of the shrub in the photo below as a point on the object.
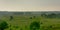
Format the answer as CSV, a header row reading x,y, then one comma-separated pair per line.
x,y
30,17
21,29
3,25
34,26
34,16
11,17
16,27
50,26
10,28
41,23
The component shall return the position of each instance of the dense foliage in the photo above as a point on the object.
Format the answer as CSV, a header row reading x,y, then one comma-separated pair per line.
x,y
35,26
3,25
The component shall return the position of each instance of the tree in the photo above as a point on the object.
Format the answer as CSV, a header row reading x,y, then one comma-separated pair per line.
x,y
34,16
11,17
3,25
35,26
31,18
53,15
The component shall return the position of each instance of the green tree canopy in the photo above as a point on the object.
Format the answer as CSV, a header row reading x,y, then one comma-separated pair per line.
x,y
34,25
3,25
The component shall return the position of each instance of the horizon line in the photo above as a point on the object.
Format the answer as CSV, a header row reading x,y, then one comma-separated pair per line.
x,y
27,10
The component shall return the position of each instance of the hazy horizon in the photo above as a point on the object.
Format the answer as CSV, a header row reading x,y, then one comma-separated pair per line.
x,y
29,5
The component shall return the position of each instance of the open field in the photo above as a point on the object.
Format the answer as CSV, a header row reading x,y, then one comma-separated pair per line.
x,y
23,22
20,21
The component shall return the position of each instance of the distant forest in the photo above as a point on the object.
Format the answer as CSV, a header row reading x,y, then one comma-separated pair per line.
x,y
30,13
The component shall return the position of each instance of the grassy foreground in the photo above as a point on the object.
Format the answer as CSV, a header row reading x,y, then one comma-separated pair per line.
x,y
23,22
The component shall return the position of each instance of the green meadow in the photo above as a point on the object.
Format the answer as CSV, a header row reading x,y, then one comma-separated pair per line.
x,y
20,22
23,22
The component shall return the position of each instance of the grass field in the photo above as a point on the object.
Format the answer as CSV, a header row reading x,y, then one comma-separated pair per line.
x,y
20,22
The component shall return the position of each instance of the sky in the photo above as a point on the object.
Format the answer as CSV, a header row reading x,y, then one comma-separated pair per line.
x,y
29,5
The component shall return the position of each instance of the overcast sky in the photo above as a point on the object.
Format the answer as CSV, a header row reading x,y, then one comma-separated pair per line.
x,y
23,5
